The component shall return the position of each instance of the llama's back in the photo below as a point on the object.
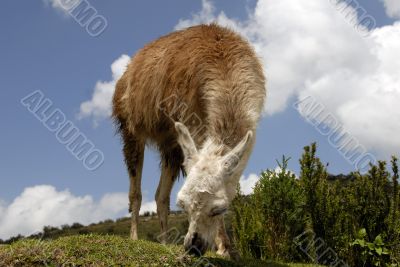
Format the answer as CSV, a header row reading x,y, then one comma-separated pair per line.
x,y
206,73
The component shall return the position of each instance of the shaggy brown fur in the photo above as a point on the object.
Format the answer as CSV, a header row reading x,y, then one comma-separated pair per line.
x,y
206,76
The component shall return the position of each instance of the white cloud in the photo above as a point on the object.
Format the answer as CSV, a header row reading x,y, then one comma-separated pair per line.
x,y
43,205
207,15
247,183
148,206
392,8
278,170
100,105
62,5
309,48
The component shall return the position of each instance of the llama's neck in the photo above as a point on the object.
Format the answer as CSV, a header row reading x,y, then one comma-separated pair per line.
x,y
230,118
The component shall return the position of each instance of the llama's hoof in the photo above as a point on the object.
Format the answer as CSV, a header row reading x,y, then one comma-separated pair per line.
x,y
134,236
229,254
224,253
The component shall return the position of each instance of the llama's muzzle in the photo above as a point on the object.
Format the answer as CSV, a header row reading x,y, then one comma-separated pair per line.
x,y
196,245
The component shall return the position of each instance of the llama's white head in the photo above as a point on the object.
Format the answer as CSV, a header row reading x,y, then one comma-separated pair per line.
x,y
210,186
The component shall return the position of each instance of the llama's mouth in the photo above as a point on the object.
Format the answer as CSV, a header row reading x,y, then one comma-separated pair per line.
x,y
196,245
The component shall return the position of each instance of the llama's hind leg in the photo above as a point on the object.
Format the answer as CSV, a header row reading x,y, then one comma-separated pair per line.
x,y
169,173
134,154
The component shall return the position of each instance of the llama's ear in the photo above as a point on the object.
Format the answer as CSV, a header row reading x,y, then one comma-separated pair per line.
x,y
186,142
232,159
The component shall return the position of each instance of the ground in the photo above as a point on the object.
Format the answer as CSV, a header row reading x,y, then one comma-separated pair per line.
x,y
109,250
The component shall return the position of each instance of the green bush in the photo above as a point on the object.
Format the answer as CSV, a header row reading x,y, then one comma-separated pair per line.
x,y
317,217
374,252
265,224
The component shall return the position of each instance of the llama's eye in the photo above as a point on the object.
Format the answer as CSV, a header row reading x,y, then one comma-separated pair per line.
x,y
218,211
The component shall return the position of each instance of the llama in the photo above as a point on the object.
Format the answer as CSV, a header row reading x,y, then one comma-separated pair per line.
x,y
196,95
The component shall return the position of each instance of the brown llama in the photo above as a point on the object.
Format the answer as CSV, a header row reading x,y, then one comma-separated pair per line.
x,y
196,95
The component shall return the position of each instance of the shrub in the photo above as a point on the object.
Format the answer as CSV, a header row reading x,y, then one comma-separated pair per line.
x,y
76,226
265,224
326,212
146,214
371,252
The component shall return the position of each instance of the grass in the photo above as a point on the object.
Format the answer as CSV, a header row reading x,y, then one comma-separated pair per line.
x,y
149,227
106,244
110,250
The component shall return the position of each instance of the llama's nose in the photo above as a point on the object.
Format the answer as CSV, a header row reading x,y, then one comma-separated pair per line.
x,y
196,245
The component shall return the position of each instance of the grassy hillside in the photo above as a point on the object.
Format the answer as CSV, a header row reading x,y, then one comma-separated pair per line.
x,y
109,250
106,244
149,227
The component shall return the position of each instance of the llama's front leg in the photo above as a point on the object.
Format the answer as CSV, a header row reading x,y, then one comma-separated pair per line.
x,y
222,241
167,179
134,154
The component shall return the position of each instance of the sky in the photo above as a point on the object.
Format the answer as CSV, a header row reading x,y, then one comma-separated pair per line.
x,y
332,69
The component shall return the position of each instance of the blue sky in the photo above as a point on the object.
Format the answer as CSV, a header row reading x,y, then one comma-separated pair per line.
x,y
43,48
